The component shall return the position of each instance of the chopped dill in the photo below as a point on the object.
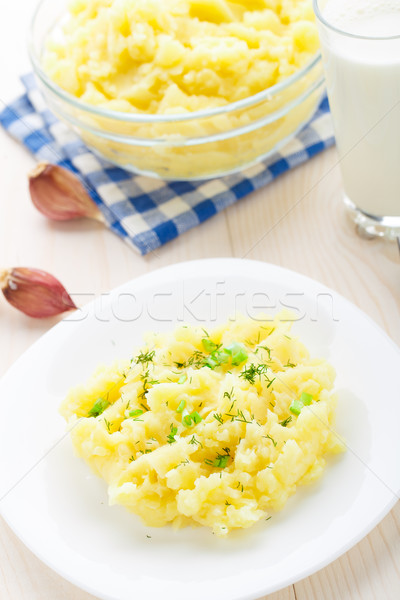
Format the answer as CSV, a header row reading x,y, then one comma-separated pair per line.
x,y
290,364
272,440
286,422
183,462
270,381
145,377
252,372
196,442
196,360
144,357
218,417
238,417
268,350
228,394
173,431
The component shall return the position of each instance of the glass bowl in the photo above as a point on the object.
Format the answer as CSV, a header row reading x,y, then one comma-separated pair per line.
x,y
189,146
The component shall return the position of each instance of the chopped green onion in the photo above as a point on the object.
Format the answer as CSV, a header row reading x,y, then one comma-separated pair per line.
x,y
208,345
136,413
181,406
221,462
237,352
182,378
210,362
296,407
187,420
196,417
98,407
216,358
306,399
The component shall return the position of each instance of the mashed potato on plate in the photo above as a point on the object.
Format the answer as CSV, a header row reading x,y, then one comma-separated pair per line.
x,y
216,428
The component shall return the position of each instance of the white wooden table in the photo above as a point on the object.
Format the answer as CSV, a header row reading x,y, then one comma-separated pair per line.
x,y
297,222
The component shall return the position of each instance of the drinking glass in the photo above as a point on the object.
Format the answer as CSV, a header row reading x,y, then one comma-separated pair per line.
x,y
363,81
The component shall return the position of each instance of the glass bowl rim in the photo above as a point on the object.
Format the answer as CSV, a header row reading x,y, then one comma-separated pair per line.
x,y
355,36
129,117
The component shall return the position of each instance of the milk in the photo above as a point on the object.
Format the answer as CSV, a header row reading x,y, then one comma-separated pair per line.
x,y
363,81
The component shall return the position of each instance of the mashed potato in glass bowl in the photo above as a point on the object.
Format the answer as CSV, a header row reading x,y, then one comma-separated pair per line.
x,y
179,89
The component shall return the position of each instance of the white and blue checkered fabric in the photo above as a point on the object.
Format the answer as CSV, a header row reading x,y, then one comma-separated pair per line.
x,y
148,212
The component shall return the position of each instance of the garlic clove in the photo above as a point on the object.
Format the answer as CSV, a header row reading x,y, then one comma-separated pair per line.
x,y
59,195
34,292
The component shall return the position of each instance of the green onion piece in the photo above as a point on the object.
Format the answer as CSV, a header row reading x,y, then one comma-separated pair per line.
x,y
296,407
221,357
210,362
136,412
98,407
196,417
237,352
187,420
181,406
221,462
182,378
306,399
208,345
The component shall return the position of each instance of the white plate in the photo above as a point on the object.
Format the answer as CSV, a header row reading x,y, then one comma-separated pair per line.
x,y
60,510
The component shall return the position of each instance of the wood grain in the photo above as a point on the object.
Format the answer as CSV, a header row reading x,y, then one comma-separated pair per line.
x,y
297,222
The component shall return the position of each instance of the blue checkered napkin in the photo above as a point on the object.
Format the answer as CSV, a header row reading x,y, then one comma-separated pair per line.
x,y
147,212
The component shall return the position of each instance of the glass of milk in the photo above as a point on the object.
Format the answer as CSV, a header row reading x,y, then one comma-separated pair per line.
x,y
360,42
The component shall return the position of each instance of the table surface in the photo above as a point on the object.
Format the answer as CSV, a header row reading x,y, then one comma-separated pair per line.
x,y
297,222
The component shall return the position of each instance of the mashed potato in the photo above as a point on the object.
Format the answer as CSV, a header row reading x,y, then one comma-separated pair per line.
x,y
169,57
213,428
175,56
